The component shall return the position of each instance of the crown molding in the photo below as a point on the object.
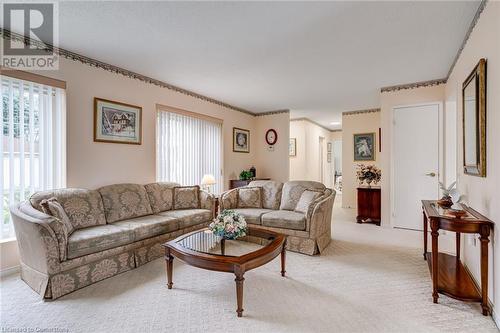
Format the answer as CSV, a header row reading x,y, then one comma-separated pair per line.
x,y
414,85
269,113
350,113
114,69
479,11
315,123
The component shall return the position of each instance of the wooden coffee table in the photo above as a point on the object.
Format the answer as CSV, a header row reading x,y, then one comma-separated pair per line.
x,y
205,250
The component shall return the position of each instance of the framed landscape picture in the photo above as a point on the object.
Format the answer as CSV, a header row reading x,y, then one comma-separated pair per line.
x,y
364,147
117,122
241,140
292,147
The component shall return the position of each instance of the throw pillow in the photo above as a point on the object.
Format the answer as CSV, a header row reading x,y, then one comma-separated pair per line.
x,y
250,197
306,199
186,197
63,228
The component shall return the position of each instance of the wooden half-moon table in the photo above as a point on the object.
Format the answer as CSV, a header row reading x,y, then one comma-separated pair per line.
x,y
449,275
203,249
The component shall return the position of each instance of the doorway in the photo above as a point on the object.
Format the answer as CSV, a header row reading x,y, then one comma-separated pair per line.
x,y
321,160
415,162
337,165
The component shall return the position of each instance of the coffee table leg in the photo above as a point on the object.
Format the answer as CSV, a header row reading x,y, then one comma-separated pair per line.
x,y
283,259
239,293
169,259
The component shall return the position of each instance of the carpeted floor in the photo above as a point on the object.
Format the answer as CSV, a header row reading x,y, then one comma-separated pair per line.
x,y
353,287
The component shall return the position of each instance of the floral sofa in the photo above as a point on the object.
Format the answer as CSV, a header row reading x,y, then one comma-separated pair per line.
x,y
71,238
300,209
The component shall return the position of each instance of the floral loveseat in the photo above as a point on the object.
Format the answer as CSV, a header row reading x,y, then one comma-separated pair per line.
x,y
300,209
71,238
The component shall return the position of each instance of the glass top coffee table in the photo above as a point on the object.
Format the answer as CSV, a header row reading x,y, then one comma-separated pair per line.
x,y
205,250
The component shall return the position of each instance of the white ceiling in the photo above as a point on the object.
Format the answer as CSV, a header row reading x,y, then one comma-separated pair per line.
x,y
316,59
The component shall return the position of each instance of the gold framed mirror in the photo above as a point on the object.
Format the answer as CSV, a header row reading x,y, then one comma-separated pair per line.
x,y
474,121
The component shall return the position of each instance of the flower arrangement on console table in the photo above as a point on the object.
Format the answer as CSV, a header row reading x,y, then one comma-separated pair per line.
x,y
229,225
369,174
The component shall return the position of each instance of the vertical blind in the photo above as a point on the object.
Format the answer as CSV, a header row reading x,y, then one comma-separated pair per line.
x,y
188,148
33,143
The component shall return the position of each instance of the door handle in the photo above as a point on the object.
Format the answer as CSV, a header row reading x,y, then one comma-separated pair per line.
x,y
431,174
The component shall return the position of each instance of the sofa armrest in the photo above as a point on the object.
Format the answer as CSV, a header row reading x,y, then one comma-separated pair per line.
x,y
229,199
36,239
207,201
321,218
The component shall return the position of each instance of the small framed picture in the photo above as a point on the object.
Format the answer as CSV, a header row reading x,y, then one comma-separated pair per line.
x,y
117,122
329,147
329,157
241,140
292,147
364,147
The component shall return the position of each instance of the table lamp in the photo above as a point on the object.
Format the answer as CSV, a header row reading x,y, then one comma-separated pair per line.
x,y
207,181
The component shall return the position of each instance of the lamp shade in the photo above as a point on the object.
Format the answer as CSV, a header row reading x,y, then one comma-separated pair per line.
x,y
208,180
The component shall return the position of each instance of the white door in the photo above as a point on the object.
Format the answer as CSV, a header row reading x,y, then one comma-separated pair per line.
x,y
415,162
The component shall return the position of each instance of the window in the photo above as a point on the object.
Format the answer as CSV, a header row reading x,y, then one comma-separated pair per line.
x,y
188,147
32,145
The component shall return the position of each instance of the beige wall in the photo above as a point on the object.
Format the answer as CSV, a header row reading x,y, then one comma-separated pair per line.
x,y
91,164
273,163
482,193
389,100
356,124
306,165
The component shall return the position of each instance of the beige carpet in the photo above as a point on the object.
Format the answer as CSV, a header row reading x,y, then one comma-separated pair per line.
x,y
351,288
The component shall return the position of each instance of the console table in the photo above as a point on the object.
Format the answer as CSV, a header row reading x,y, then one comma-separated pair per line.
x,y
234,183
449,276
369,205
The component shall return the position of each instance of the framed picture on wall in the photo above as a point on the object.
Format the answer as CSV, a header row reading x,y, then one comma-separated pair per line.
x,y
329,157
364,147
117,122
329,147
241,140
292,147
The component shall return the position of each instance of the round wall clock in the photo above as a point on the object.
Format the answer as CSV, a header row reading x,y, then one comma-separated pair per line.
x,y
271,137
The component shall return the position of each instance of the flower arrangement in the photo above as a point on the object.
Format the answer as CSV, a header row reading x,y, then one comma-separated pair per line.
x,y
369,174
229,225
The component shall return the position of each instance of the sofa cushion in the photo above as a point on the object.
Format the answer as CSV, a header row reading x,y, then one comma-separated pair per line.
x,y
189,217
186,197
97,239
252,215
284,219
271,193
160,196
149,226
306,201
62,227
125,201
292,191
83,207
250,197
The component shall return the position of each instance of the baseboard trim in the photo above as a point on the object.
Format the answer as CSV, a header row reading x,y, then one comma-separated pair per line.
x,y
495,317
9,271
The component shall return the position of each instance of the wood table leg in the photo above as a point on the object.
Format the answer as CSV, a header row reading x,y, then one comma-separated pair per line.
x,y
239,292
425,236
283,259
435,235
485,232
169,259
457,244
